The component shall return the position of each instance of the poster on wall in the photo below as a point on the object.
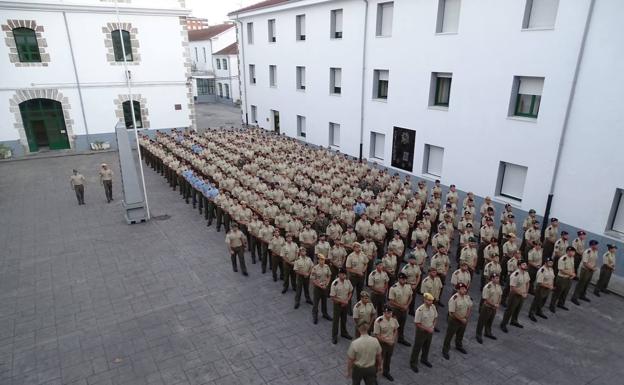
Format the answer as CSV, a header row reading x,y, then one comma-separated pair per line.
x,y
403,142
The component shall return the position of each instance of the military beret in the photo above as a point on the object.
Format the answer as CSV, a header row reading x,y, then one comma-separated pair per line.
x,y
426,213
419,242
570,248
472,239
356,244
387,308
611,247
402,275
460,285
593,242
564,233
466,212
342,270
536,222
441,227
428,296
531,211
493,275
554,220
364,293
511,216
511,235
520,262
580,232
321,256
548,259
468,224
378,261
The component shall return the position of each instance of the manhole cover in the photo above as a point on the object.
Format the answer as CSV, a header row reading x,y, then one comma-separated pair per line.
x,y
163,217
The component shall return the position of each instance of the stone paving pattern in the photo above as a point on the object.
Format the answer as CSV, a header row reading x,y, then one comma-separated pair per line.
x,y
87,300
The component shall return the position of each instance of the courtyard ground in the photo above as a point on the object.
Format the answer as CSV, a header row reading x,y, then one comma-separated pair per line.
x,y
86,299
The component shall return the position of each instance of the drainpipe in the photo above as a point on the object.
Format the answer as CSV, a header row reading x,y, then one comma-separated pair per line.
x,y
239,24
71,51
363,78
567,117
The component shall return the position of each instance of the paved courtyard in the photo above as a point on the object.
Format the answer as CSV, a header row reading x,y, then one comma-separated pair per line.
x,y
87,299
217,115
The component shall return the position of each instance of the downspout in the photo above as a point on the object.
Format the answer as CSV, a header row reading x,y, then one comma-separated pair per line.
x,y
239,24
363,78
230,77
71,51
566,119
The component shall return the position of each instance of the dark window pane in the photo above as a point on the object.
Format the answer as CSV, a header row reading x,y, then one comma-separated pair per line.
x,y
128,114
118,50
27,47
443,91
382,89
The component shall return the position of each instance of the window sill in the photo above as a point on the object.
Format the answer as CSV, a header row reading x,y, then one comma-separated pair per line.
x,y
522,119
301,90
537,29
445,33
376,159
614,235
513,202
333,94
380,100
334,147
439,108
383,36
272,86
431,177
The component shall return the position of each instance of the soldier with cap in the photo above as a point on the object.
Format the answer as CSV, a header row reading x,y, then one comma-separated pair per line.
x,y
363,311
275,249
364,357
579,247
106,178
433,285
413,273
519,282
425,319
560,248
535,262
565,274
340,293
77,182
608,266
460,306
237,242
486,234
550,237
378,282
544,283
356,266
468,255
308,238
588,267
386,330
302,267
490,301
290,252
320,277
461,275
337,257
399,298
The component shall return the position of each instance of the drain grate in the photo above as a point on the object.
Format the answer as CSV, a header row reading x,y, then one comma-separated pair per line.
x,y
163,217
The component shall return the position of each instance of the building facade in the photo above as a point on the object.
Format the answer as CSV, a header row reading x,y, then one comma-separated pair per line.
x,y
193,23
214,57
63,80
505,99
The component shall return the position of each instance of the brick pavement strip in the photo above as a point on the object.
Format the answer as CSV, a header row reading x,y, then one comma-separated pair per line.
x,y
87,299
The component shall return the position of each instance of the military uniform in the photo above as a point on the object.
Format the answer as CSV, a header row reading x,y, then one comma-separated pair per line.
x,y
363,312
563,281
106,177
378,283
433,286
237,242
385,330
413,273
401,295
289,256
320,277
608,265
544,283
275,248
491,298
426,316
356,266
588,266
520,281
364,351
302,268
459,309
340,292
77,182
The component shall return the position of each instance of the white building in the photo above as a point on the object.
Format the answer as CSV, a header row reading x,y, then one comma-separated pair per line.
x,y
214,52
63,83
517,100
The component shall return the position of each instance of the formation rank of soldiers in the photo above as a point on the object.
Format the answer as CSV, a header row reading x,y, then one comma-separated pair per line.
x,y
315,218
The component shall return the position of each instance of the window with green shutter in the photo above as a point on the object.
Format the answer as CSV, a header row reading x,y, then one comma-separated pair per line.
x,y
27,47
128,114
117,36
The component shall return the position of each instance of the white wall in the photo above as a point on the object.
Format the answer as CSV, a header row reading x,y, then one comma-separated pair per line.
x,y
592,161
228,76
201,63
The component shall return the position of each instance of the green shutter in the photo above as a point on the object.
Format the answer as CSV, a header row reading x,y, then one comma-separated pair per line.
x,y
27,46
128,114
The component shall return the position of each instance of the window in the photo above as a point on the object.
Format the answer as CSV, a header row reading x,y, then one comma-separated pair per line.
x,y
540,14
254,114
301,78
528,97
203,86
617,221
335,81
273,75
118,49
336,24
403,141
250,33
271,25
442,83
511,178
384,18
301,32
220,87
301,126
211,86
252,73
127,113
334,134
227,90
218,63
448,16
204,50
196,56
377,143
432,164
27,46
380,84
225,63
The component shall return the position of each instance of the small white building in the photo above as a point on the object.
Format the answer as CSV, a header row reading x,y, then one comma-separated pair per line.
x,y
63,83
215,64
518,100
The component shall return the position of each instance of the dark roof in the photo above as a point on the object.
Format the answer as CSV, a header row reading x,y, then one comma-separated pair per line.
x,y
262,4
231,49
207,33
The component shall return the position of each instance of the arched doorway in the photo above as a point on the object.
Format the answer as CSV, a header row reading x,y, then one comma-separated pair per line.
x,y
44,124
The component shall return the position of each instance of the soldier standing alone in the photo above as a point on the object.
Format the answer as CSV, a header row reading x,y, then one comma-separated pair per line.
x,y
237,242
106,178
77,182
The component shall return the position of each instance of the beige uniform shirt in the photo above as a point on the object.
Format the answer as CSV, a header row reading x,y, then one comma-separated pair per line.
x,y
337,256
357,262
512,265
460,276
565,263
545,276
276,244
348,238
389,263
378,280
469,255
77,180
519,280
303,265
106,174
579,245
362,227
509,248
334,231
364,311
290,252
426,315
235,239
459,305
412,272
341,290
385,328
421,255
321,274
364,351
492,293
441,263
608,259
322,248
401,294
378,231
307,236
431,286
589,258
535,257
560,247
492,267
397,246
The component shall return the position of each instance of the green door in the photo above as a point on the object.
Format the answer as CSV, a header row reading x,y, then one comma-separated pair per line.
x,y
44,124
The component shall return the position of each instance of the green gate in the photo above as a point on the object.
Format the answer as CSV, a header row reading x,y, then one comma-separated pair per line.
x,y
44,124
